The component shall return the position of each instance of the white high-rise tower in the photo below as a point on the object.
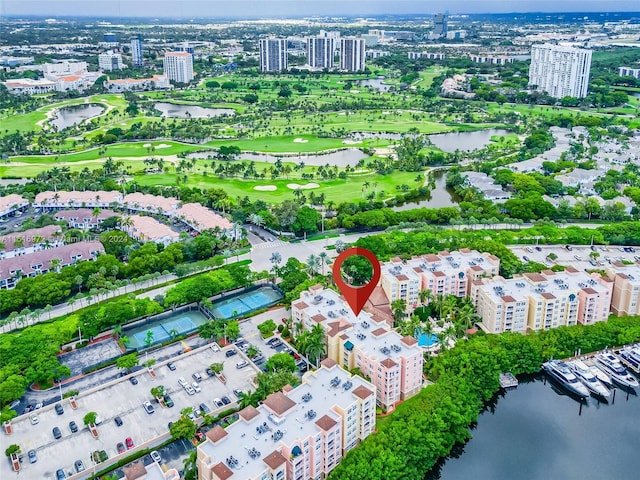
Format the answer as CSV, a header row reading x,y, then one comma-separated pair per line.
x,y
273,54
352,54
560,71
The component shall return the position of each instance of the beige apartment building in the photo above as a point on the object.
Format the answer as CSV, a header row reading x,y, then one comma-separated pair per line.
x,y
540,301
447,273
626,284
393,363
299,433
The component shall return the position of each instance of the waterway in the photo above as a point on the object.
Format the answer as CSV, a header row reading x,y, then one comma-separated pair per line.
x,y
173,110
440,196
66,117
536,433
465,141
376,83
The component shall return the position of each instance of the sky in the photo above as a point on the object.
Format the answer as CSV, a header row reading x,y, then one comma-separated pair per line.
x,y
296,8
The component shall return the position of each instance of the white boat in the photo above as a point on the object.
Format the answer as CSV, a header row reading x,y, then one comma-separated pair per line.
x,y
600,375
584,374
630,357
612,367
560,371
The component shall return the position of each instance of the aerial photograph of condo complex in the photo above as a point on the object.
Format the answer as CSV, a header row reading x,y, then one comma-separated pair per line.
x,y
298,240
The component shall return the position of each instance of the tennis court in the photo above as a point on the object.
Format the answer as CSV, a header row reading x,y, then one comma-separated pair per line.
x,y
246,302
160,330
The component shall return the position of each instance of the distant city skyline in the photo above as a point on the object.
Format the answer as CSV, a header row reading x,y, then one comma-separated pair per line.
x,y
294,8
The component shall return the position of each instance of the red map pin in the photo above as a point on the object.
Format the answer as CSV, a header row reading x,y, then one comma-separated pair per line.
x,y
356,296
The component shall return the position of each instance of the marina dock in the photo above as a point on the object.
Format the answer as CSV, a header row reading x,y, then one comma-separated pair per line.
x,y
508,380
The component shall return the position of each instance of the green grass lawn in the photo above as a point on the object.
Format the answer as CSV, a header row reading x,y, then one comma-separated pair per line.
x,y
337,190
427,76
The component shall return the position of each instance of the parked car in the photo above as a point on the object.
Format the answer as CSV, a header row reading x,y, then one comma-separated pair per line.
x,y
237,392
73,426
59,409
182,381
155,456
79,465
538,249
525,258
57,434
225,400
197,377
209,372
33,457
577,257
133,380
241,364
129,442
171,366
34,419
148,407
218,402
568,247
118,421
204,408
196,387
60,475
189,389
230,353
215,347
120,447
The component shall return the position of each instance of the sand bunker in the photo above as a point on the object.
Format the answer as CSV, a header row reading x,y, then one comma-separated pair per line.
x,y
351,142
163,145
295,186
300,140
146,145
265,188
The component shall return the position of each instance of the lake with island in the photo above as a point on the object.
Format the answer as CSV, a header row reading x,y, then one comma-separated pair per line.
x,y
536,432
465,141
173,110
439,197
74,114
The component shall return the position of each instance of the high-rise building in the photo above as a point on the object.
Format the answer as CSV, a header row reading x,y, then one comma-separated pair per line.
x,y
273,54
110,38
440,25
629,72
352,54
561,71
110,60
137,59
299,433
320,52
178,66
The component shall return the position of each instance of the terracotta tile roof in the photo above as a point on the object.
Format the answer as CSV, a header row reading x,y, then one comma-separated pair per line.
x,y
337,327
274,460
216,434
402,278
328,363
279,403
409,341
589,291
571,270
82,213
439,274
395,260
477,268
326,423
135,471
222,471
248,413
417,269
344,336
388,363
379,331
362,392
316,287
9,201
432,257
301,305
287,388
509,299
493,257
378,297
464,250
606,279
548,296
624,276
535,277
319,318
29,236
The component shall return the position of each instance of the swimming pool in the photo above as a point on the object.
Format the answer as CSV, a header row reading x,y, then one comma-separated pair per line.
x,y
245,302
427,341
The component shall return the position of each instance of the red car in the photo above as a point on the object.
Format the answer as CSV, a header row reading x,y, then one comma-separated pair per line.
x,y
120,447
129,443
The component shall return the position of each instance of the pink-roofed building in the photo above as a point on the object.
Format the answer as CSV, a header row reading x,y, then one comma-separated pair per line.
x,y
157,82
200,218
29,241
148,229
84,218
9,204
62,199
144,202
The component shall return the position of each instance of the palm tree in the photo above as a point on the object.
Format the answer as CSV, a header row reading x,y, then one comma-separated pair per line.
x,y
424,295
398,309
275,260
312,265
149,338
322,256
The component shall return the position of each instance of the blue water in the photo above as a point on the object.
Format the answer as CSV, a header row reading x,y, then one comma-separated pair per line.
x,y
245,302
425,340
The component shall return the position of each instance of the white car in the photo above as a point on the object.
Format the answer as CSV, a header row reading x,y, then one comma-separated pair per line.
x,y
34,419
196,387
155,456
182,382
189,389
215,347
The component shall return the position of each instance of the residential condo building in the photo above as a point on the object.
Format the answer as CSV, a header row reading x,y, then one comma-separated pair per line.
x,y
110,60
560,71
626,286
178,66
320,52
541,301
273,54
137,58
299,433
440,25
629,72
352,54
394,363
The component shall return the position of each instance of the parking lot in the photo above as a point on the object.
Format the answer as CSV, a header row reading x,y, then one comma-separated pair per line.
x,y
122,399
581,257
